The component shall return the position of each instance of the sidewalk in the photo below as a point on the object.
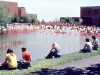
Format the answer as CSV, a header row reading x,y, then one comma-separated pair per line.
x,y
87,66
81,63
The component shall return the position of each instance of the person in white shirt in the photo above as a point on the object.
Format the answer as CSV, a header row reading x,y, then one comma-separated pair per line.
x,y
95,43
87,47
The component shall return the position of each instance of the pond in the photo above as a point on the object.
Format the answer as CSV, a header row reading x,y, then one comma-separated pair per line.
x,y
39,43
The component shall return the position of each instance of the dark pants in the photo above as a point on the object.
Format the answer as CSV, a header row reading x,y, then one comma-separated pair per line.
x,y
5,67
51,54
23,64
95,47
84,51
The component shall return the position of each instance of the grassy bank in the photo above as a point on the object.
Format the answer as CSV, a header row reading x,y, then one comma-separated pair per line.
x,y
48,63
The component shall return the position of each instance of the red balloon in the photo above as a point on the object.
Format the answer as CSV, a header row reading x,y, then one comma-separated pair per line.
x,y
86,34
81,34
92,34
98,34
69,33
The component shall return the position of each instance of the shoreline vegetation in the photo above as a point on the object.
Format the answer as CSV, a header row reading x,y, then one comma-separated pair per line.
x,y
49,63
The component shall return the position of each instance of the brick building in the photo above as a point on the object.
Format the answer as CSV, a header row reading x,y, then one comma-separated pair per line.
x,y
14,9
90,15
21,11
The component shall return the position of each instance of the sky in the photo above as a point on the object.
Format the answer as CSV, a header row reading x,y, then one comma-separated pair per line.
x,y
50,10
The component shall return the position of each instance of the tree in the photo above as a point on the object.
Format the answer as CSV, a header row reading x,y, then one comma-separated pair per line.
x,y
4,18
14,18
69,19
25,19
56,20
33,20
42,21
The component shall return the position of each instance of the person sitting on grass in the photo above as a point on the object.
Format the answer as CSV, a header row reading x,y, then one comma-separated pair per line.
x,y
26,55
25,62
95,43
10,61
54,52
87,46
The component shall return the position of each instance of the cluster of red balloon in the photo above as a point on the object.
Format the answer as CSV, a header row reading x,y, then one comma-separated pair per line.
x,y
57,32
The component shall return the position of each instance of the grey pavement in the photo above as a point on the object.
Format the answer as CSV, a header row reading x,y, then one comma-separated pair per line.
x,y
87,66
81,63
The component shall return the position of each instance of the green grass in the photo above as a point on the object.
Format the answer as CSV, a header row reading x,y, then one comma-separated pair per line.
x,y
49,63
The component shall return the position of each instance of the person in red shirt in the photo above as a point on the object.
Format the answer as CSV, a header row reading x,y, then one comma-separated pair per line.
x,y
25,63
26,55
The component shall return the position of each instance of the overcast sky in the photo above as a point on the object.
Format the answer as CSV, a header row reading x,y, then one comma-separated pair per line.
x,y
51,9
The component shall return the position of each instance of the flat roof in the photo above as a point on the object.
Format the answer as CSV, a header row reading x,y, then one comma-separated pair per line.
x,y
90,7
10,1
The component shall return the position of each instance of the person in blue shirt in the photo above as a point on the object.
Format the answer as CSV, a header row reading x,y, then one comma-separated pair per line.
x,y
95,43
54,52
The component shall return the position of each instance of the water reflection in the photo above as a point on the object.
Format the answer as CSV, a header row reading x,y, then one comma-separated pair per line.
x,y
39,43
8,41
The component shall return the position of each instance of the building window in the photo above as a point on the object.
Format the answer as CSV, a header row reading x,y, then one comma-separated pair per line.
x,y
95,11
88,11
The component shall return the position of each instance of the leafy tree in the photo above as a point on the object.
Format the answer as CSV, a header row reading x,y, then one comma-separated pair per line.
x,y
14,18
9,19
34,20
56,20
70,20
42,21
25,19
4,18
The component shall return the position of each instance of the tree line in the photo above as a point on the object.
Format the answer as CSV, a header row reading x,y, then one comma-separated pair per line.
x,y
23,19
